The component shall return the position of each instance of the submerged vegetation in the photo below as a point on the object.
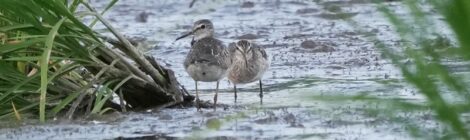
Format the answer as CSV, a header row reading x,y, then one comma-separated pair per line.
x,y
52,64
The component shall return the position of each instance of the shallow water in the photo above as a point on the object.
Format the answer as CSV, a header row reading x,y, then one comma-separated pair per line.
x,y
296,76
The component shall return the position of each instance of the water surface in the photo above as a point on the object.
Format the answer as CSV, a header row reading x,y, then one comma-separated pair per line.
x,y
297,75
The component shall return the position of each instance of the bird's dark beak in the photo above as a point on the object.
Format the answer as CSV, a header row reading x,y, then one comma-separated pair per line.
x,y
185,35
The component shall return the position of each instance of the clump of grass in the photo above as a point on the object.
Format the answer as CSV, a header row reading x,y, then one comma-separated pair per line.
x,y
433,79
41,50
427,47
51,62
427,72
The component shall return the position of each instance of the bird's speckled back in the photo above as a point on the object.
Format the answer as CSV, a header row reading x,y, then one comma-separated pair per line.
x,y
208,50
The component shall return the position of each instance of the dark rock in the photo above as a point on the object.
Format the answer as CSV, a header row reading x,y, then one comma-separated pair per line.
x,y
314,47
297,36
248,36
308,44
357,62
333,8
248,4
165,117
336,67
306,11
336,16
298,125
293,23
142,17
225,33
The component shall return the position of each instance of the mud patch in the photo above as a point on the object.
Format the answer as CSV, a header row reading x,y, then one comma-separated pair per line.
x,y
336,16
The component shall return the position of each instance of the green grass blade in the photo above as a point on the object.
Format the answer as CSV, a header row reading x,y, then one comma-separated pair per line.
x,y
22,45
99,103
15,27
105,110
65,102
44,69
111,4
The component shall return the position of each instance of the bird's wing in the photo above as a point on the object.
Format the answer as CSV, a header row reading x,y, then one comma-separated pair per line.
x,y
210,51
262,52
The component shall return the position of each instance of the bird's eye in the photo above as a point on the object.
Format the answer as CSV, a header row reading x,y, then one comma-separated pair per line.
x,y
203,26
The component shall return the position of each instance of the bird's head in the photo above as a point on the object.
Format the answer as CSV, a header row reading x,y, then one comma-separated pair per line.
x,y
201,29
244,46
243,50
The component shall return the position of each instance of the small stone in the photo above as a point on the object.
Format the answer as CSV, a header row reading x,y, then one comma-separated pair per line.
x,y
142,17
357,62
336,67
248,4
306,11
308,44
333,8
165,117
337,16
316,47
297,36
293,23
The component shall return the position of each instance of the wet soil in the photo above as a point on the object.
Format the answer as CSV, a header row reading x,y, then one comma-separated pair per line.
x,y
299,73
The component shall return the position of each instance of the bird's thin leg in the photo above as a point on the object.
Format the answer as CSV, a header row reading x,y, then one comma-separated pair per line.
x,y
198,106
261,92
235,91
215,96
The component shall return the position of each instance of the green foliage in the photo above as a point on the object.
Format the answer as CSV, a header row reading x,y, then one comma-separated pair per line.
x,y
44,63
43,48
424,46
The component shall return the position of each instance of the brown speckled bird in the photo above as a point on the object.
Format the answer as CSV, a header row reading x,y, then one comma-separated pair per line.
x,y
208,59
249,63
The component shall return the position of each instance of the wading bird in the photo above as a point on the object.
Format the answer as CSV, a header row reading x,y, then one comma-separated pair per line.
x,y
208,59
249,63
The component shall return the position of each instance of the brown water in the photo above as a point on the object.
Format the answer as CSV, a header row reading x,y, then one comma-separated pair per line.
x,y
348,64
